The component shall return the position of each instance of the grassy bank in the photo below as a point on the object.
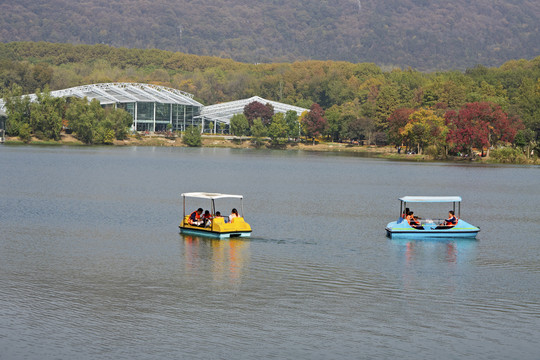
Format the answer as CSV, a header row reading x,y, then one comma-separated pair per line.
x,y
385,152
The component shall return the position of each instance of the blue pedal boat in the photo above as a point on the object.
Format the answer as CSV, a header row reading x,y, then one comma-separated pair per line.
x,y
430,228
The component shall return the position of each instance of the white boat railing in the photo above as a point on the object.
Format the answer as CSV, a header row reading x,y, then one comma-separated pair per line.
x,y
430,221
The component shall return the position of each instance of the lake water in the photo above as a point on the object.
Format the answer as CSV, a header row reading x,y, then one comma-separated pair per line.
x,y
92,264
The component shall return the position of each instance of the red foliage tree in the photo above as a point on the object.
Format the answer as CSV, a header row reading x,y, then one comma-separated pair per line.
x,y
396,122
256,110
480,125
314,123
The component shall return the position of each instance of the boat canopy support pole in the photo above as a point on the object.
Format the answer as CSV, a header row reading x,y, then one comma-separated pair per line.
x,y
184,206
213,212
400,208
242,206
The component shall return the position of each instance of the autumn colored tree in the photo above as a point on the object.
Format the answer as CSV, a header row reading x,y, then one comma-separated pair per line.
x,y
480,125
424,128
396,123
256,110
314,123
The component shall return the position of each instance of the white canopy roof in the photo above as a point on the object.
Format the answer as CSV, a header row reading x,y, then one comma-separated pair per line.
x,y
225,111
115,93
206,195
431,199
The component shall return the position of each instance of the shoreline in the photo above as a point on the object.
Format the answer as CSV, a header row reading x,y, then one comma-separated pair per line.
x,y
223,141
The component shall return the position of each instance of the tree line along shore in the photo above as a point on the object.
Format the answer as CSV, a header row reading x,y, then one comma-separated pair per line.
x,y
494,112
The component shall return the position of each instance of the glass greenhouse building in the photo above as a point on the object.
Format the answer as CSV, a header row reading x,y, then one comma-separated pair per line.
x,y
154,107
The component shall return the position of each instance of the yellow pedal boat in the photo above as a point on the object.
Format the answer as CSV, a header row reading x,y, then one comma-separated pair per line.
x,y
217,227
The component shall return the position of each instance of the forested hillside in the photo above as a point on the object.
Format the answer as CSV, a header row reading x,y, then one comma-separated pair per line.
x,y
423,34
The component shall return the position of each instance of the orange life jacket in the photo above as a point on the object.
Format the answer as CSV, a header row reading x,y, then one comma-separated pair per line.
x,y
412,221
451,220
197,217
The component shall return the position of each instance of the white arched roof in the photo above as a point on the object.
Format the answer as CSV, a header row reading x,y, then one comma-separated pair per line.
x,y
111,93
114,93
225,111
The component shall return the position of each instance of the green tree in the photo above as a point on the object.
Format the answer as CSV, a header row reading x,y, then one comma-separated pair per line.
x,y
239,125
17,110
452,95
528,102
358,128
258,132
104,133
192,136
120,122
386,103
277,131
293,126
25,133
525,139
46,115
335,122
84,118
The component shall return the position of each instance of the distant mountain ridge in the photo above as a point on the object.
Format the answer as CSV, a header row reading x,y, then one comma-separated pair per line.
x,y
424,34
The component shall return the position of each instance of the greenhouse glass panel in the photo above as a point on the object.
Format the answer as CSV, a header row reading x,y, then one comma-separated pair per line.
x,y
145,111
163,112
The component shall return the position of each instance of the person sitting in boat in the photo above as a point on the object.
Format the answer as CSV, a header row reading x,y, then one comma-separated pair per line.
x,y
207,219
218,215
405,214
452,219
413,222
195,217
448,223
234,214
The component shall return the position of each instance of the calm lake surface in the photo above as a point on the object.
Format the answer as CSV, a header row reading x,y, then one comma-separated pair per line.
x,y
92,264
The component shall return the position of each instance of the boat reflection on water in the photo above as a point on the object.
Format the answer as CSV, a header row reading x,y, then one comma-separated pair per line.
x,y
451,250
434,263
226,259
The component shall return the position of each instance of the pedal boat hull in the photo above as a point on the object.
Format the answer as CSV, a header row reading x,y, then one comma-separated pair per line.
x,y
402,230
